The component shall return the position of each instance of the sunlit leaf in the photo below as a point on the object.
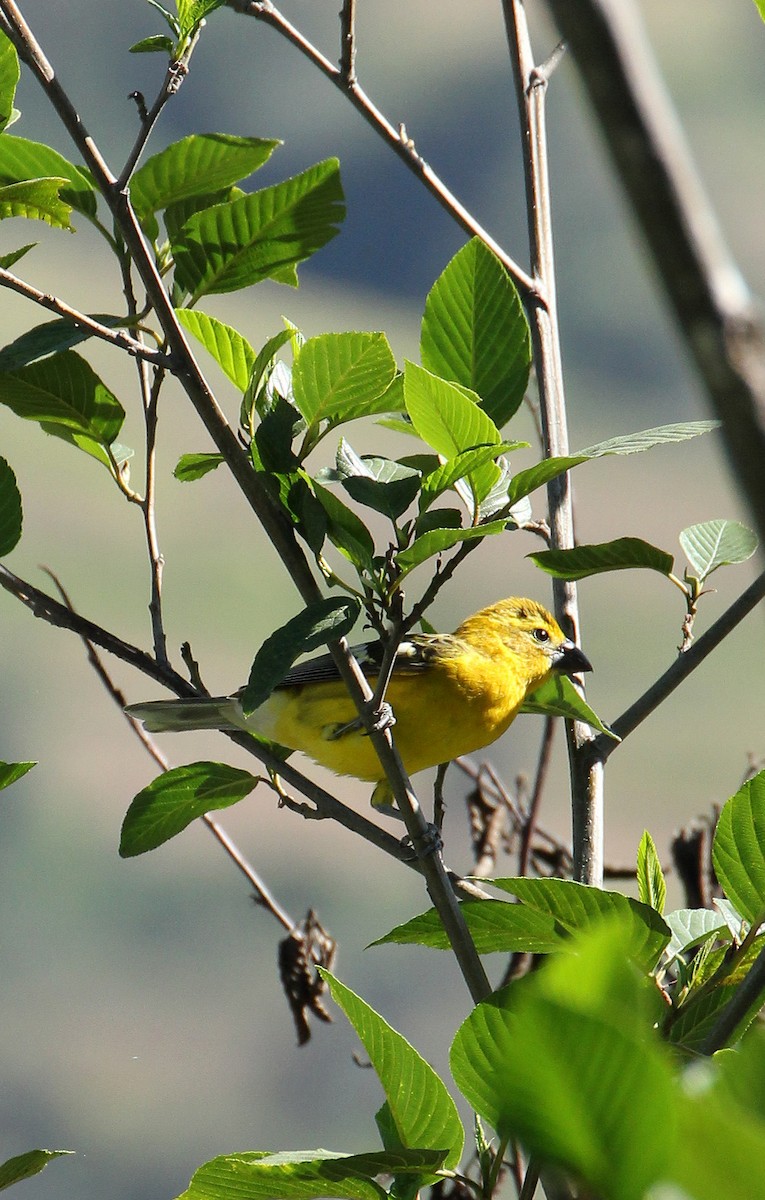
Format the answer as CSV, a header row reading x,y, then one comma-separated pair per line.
x,y
738,852
230,349
196,165
176,798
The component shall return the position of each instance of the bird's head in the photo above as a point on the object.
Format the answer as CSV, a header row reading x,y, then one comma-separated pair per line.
x,y
530,631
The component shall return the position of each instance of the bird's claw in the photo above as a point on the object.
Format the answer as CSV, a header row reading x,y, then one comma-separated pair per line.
x,y
379,719
430,842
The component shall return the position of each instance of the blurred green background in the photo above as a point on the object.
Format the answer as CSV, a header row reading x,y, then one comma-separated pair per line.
x,y
143,1024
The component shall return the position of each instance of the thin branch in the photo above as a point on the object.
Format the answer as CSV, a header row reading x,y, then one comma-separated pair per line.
x,y
348,43
116,337
531,86
397,139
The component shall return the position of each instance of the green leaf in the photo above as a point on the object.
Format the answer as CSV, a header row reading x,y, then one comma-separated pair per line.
x,y
193,466
194,166
49,338
176,798
191,12
10,509
37,200
231,351
541,473
450,420
738,852
576,908
706,1121
10,772
9,77
302,1174
652,888
320,623
157,43
438,540
382,484
714,544
341,376
22,161
619,555
760,6
24,1166
558,697
261,236
475,332
345,530
423,1112
8,260
494,925
64,390
445,475
567,1063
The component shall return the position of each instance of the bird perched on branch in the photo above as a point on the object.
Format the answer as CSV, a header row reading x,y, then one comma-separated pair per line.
x,y
451,694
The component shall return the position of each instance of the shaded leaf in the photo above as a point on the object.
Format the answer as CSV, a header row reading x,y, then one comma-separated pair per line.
x,y
345,530
49,338
619,555
176,798
475,332
37,200
7,260
438,540
495,925
10,509
24,1166
64,390
293,1175
156,43
320,623
692,926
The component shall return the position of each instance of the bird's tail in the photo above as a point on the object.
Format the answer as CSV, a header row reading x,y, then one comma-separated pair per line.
x,y
203,712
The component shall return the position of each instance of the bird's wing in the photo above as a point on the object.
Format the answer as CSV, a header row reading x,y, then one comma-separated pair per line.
x,y
412,656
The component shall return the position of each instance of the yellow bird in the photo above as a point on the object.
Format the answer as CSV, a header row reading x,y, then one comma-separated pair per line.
x,y
451,694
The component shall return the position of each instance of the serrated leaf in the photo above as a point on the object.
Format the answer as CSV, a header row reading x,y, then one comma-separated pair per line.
x,y
714,544
558,697
341,376
194,466
738,851
620,555
382,484
230,349
449,419
446,474
24,1166
261,236
423,1112
194,166
10,772
22,160
475,332
48,338
566,1062
652,888
320,623
10,509
37,200
9,78
176,798
437,540
64,390
577,908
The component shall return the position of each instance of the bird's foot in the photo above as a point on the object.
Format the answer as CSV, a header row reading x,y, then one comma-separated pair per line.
x,y
429,842
373,721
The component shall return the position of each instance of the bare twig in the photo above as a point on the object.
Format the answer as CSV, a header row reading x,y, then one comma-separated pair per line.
x,y
531,83
396,137
117,337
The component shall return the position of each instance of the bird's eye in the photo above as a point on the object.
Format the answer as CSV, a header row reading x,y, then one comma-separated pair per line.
x,y
540,635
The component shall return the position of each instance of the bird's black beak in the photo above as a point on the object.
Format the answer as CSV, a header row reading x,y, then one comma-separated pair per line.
x,y
571,660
